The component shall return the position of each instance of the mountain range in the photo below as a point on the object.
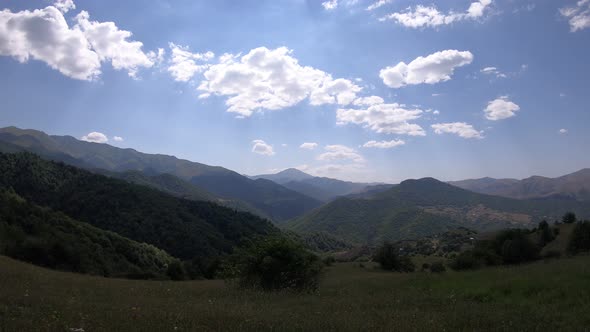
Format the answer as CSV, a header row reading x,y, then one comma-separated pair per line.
x,y
215,183
321,188
573,186
424,207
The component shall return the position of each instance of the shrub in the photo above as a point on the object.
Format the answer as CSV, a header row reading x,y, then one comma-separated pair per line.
x,y
437,267
176,271
580,239
388,258
329,261
514,247
569,218
552,254
275,263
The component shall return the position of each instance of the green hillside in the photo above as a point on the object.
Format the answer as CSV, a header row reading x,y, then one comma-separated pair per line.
x,y
272,199
185,229
418,208
47,238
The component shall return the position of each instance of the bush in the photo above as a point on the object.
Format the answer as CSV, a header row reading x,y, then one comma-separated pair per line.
x,y
329,261
514,247
569,218
580,239
275,263
437,267
388,259
552,254
176,271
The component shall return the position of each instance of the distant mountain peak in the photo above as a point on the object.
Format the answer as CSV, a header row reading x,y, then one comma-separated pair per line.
x,y
294,172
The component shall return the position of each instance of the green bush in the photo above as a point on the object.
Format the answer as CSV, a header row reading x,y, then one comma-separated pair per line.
x,y
437,267
580,239
569,218
388,258
515,247
275,263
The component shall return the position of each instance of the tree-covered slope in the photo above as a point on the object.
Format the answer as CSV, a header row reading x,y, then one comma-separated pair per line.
x,y
272,199
185,229
44,237
417,208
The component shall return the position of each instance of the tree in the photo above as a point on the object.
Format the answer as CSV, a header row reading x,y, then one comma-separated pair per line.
x,y
580,239
546,235
514,247
569,218
388,258
275,263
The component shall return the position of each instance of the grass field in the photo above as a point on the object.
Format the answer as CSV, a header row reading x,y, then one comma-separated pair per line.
x,y
545,296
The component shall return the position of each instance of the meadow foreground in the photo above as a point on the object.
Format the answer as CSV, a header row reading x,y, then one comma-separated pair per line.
x,y
552,295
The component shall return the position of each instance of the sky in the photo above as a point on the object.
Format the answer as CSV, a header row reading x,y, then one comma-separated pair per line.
x,y
361,90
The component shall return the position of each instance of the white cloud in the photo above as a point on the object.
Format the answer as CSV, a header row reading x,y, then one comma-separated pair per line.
x,y
261,147
461,129
563,131
183,63
493,71
112,44
267,79
384,144
44,35
65,6
562,95
368,101
309,146
340,152
422,16
330,4
76,52
434,68
118,139
501,108
436,112
378,4
383,118
95,137
578,15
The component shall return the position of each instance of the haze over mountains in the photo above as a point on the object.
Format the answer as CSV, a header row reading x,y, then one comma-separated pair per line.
x,y
323,208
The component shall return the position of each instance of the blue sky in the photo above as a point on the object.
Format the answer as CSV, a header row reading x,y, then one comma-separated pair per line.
x,y
449,89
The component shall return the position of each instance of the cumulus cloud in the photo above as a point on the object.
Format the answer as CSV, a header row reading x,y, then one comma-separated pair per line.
x,y
501,108
261,147
265,79
461,129
65,6
422,16
434,68
330,4
493,71
340,152
118,139
577,15
44,35
368,101
183,63
563,131
384,144
383,118
95,137
309,146
112,44
378,4
76,52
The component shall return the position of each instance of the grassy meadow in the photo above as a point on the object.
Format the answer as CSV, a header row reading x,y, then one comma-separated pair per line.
x,y
553,295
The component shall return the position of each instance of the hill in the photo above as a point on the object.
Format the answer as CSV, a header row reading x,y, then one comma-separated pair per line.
x,y
189,230
272,199
573,186
418,208
47,238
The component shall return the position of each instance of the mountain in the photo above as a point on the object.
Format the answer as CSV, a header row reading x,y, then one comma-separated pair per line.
x,y
274,200
321,188
189,230
417,208
288,175
573,186
44,237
